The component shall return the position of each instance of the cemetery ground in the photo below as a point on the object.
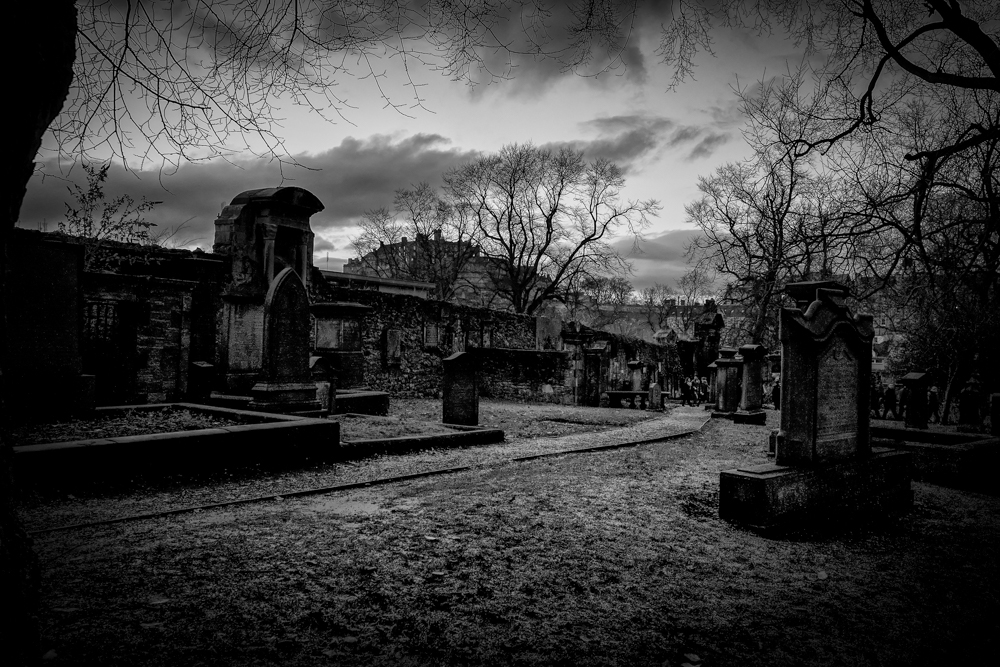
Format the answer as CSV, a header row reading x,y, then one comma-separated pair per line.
x,y
601,558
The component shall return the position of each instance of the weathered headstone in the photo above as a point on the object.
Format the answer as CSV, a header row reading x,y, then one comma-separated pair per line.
x,y
752,394
285,383
727,390
655,397
461,390
916,402
635,374
824,464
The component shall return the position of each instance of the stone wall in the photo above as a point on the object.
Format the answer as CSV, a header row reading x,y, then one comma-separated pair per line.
x,y
137,337
524,375
404,338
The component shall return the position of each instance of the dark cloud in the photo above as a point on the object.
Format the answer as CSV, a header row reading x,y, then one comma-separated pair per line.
x,y
707,145
624,140
356,176
537,52
659,259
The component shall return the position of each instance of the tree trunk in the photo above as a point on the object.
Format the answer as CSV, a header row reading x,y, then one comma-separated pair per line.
x,y
40,74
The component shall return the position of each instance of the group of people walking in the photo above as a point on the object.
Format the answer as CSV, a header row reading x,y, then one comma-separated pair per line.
x,y
891,400
694,390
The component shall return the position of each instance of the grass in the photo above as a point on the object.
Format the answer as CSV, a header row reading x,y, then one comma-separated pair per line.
x,y
129,422
610,558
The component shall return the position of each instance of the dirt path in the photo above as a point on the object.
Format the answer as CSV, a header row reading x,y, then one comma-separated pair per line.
x,y
607,558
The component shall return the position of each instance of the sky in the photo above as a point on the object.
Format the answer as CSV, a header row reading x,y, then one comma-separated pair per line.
x,y
664,140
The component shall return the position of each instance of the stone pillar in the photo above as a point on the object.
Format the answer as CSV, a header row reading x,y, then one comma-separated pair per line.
x,y
302,265
270,232
752,394
728,381
461,390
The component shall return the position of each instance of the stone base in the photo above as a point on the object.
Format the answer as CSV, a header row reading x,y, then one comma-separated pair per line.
x,y
758,417
772,496
719,414
285,397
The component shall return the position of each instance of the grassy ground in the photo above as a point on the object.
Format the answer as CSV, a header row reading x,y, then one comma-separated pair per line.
x,y
610,558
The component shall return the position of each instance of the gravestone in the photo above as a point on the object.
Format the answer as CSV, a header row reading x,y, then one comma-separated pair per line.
x,y
824,464
461,390
655,397
285,382
916,403
635,374
727,381
752,394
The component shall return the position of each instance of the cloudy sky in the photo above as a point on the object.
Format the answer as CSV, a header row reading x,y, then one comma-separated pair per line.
x,y
663,139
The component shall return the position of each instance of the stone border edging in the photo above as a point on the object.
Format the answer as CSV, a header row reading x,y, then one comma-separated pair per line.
x,y
376,482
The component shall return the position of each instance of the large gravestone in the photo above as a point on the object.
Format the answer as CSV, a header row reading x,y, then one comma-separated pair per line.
x,y
262,232
285,383
461,390
752,389
655,397
824,463
727,383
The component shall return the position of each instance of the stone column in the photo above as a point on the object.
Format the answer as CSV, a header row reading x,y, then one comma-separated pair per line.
x,y
270,232
752,395
727,381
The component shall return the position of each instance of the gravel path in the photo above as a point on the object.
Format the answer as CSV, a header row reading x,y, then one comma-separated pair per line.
x,y
45,513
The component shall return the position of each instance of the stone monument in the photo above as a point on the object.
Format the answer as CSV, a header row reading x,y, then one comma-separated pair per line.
x,y
727,383
461,390
824,464
752,394
285,382
708,332
262,232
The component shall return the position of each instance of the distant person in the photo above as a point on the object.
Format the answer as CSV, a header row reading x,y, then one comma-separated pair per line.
x,y
703,386
876,402
686,390
933,405
889,402
776,395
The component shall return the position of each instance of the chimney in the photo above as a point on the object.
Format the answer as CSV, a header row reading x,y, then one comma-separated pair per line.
x,y
437,236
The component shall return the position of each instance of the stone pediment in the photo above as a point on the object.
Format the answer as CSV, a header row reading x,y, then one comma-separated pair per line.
x,y
289,196
824,316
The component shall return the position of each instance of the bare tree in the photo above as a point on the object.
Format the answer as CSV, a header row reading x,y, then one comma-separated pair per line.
x,y
97,220
600,302
544,219
426,239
